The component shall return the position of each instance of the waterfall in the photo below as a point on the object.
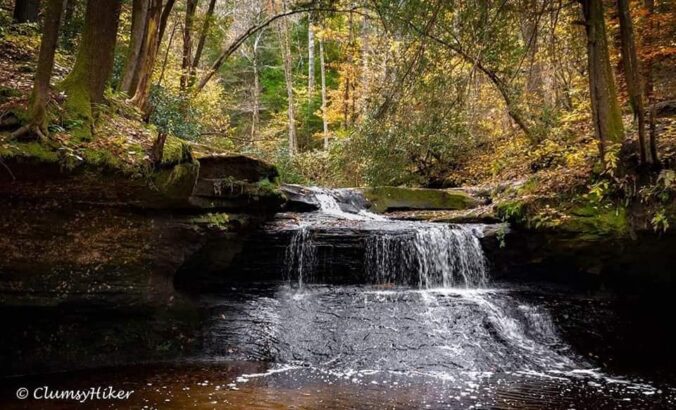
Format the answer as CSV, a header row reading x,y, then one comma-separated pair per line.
x,y
300,255
329,205
424,254
441,255
429,255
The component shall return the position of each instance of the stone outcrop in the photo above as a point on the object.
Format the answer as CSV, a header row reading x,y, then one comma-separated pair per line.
x,y
83,246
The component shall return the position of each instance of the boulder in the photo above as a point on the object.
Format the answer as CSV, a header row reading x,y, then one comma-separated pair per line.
x,y
236,183
299,198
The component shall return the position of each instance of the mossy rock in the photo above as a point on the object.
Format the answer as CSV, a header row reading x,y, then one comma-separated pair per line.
x,y
175,152
587,222
177,182
593,222
29,151
398,198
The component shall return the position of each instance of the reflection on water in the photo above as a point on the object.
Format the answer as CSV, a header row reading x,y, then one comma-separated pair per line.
x,y
225,386
273,346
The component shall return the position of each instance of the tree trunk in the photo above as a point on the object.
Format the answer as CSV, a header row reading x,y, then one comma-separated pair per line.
x,y
650,85
203,38
67,31
147,63
186,64
26,11
288,77
365,71
606,115
164,19
631,74
534,81
255,116
138,25
85,84
325,121
40,95
310,63
157,150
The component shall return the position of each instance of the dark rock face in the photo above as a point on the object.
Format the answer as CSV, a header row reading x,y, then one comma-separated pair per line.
x,y
645,263
235,183
110,245
237,167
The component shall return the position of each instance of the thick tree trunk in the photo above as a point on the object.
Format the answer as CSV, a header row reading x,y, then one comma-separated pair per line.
x,y
26,11
85,84
138,24
606,115
203,38
325,122
631,74
50,35
650,85
186,64
288,77
147,63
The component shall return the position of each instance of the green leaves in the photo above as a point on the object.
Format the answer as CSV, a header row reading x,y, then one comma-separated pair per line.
x,y
174,114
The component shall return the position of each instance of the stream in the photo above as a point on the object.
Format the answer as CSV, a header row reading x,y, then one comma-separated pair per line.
x,y
423,327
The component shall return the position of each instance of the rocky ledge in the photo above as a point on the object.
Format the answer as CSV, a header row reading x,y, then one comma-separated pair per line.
x,y
90,254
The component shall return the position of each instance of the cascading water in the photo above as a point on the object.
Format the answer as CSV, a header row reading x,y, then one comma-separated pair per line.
x,y
300,255
442,256
423,310
429,255
329,205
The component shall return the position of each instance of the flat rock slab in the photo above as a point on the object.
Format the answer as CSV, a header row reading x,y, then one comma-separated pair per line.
x,y
385,199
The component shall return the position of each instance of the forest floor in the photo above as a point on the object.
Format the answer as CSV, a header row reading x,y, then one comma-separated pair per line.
x,y
123,140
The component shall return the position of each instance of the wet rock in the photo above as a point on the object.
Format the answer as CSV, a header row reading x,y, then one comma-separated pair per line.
x,y
305,199
481,214
299,198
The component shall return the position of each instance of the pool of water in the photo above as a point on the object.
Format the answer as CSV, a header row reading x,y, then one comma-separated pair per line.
x,y
274,345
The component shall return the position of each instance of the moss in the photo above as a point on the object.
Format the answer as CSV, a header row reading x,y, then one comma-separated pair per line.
x,y
219,220
391,198
595,221
177,182
103,159
78,115
588,220
29,150
266,186
175,152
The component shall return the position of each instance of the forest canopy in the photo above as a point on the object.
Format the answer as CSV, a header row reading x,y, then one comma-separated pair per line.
x,y
348,93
